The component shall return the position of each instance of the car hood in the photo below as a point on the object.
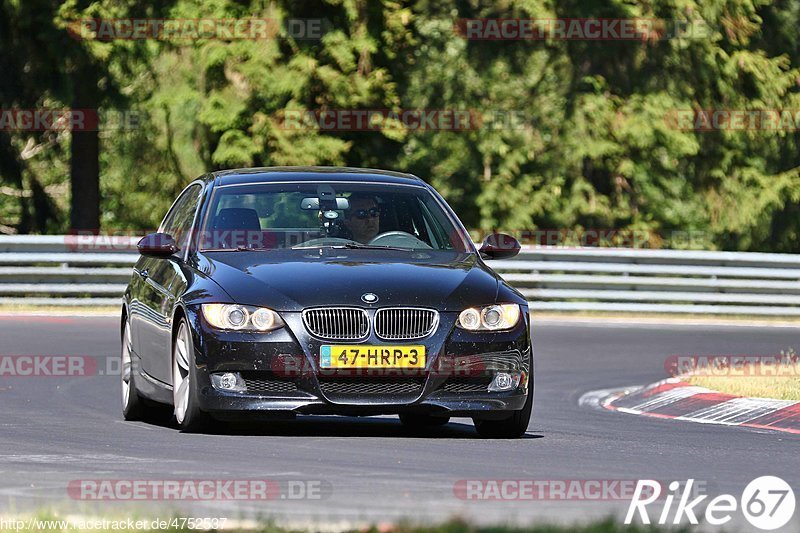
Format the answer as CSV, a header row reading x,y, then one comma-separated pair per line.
x,y
294,280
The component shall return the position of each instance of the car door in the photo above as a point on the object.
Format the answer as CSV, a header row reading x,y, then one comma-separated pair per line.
x,y
157,298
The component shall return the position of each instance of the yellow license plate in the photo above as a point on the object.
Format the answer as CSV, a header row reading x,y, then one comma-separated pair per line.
x,y
360,356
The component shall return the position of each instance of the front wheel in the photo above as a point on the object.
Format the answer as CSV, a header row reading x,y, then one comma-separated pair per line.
x,y
188,415
133,407
512,427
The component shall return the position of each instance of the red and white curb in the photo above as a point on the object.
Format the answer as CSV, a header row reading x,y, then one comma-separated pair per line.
x,y
677,400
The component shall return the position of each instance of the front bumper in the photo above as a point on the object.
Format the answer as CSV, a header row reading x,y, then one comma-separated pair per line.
x,y
283,376
226,406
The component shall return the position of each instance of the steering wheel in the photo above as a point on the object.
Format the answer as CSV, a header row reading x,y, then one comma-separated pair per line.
x,y
323,241
400,239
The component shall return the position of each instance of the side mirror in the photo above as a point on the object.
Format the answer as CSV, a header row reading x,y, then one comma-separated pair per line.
x,y
157,245
499,246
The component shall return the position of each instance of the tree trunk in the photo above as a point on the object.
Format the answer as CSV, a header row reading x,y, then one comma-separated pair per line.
x,y
85,153
11,168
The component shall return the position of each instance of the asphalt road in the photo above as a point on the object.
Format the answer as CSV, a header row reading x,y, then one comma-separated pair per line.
x,y
54,430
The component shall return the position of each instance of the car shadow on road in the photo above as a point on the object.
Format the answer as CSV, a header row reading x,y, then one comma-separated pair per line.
x,y
335,426
341,426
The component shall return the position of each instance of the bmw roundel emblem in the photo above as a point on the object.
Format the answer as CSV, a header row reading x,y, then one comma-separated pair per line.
x,y
369,298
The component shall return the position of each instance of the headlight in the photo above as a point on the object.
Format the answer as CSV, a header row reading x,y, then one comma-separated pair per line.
x,y
490,318
241,317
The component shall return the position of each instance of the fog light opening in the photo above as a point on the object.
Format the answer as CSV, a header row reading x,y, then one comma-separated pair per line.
x,y
228,381
504,381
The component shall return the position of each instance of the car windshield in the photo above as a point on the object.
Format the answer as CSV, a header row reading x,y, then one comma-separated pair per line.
x,y
328,214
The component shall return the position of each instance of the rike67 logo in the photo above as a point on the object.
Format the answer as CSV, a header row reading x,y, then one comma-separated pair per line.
x,y
767,502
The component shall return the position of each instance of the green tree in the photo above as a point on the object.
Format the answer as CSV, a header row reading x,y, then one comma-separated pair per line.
x,y
574,134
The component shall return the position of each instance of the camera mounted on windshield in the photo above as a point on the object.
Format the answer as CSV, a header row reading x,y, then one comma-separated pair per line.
x,y
328,206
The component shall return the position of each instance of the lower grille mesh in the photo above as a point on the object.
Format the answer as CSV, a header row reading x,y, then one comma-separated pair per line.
x,y
371,387
467,384
261,384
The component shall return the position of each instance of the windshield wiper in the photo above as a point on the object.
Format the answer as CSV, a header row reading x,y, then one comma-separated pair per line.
x,y
351,246
359,246
239,249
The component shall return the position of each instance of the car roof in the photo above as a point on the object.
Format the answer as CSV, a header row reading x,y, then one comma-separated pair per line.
x,y
313,174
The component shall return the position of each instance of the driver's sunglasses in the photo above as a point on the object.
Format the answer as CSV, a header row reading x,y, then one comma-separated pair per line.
x,y
362,214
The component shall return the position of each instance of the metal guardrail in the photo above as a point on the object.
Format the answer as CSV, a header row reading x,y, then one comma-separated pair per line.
x,y
80,271
65,270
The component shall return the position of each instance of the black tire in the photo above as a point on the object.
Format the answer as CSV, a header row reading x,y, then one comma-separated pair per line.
x,y
192,420
133,407
512,427
420,420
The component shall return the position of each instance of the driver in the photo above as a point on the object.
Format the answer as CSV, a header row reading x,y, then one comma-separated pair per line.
x,y
363,218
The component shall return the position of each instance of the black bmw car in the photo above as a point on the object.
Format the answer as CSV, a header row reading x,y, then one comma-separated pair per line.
x,y
273,292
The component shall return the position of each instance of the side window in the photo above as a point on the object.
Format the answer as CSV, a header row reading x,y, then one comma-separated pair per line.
x,y
178,221
434,225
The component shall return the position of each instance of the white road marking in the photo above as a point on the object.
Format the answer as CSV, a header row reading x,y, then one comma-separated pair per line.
x,y
738,410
